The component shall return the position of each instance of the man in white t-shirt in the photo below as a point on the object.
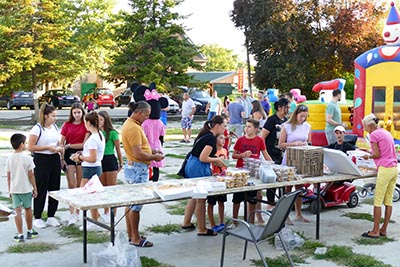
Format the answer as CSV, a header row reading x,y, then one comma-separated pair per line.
x,y
188,109
213,106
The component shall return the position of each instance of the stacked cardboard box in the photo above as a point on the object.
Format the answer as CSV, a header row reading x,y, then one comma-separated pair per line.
x,y
308,160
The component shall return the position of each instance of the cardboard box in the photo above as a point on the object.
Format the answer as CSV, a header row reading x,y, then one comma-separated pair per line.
x,y
308,160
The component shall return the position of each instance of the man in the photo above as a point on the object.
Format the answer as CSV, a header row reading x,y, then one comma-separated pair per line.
x,y
246,101
236,114
213,106
136,170
340,144
264,102
333,117
188,109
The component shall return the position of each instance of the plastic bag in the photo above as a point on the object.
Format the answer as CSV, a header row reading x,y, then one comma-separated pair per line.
x,y
93,185
291,239
267,174
122,254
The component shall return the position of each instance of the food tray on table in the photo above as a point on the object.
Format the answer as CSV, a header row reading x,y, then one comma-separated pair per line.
x,y
171,190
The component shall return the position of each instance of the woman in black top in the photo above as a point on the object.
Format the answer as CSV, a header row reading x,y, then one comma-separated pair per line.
x,y
198,165
270,133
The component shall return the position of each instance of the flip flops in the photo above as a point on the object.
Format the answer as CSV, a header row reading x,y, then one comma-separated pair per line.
x,y
190,227
383,235
143,243
366,234
208,233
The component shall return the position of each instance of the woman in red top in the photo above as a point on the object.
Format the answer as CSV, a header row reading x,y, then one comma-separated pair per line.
x,y
73,135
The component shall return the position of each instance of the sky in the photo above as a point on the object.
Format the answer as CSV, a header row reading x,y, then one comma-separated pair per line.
x,y
209,23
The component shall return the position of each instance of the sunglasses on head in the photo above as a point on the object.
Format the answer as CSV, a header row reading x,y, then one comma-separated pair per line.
x,y
302,108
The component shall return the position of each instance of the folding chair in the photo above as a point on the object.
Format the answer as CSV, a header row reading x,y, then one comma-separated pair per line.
x,y
258,234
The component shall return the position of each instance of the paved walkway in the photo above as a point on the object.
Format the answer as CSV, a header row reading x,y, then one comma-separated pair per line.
x,y
186,248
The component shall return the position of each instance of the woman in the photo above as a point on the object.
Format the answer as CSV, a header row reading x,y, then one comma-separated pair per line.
x,y
384,155
258,113
296,132
225,105
91,156
73,135
270,133
110,165
43,141
198,165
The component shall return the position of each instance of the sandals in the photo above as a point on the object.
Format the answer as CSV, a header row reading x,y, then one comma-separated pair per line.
x,y
190,227
208,233
143,243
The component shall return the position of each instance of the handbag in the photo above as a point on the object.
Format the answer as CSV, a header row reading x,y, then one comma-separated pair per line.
x,y
181,171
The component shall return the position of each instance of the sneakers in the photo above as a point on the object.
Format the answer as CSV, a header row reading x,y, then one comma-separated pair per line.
x,y
19,238
32,234
73,219
219,228
39,223
51,221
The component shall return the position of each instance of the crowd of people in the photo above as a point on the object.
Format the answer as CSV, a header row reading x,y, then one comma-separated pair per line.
x,y
88,145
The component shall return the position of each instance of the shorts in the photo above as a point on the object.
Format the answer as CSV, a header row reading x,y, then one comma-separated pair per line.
x,y
240,197
212,200
88,172
22,200
186,123
137,173
385,182
68,154
109,163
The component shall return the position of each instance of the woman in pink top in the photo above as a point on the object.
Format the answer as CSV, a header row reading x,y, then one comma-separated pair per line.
x,y
384,155
296,132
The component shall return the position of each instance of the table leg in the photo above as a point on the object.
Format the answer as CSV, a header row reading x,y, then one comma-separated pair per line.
x,y
84,236
318,210
112,225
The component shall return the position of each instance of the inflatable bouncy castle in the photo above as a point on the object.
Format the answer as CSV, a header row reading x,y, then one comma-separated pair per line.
x,y
377,80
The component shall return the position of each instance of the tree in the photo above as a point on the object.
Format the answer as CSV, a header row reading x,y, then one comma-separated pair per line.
x,y
152,46
300,43
219,58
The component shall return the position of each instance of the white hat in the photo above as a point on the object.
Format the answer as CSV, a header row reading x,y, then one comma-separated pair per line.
x,y
340,128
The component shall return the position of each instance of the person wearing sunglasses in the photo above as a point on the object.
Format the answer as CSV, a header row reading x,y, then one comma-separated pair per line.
x,y
296,132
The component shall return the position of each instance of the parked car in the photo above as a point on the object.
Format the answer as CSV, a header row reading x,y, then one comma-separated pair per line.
x,y
59,98
123,98
173,106
199,97
103,97
17,99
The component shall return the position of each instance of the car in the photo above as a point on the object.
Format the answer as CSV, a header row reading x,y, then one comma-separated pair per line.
x,y
59,98
18,100
103,97
173,106
199,97
123,98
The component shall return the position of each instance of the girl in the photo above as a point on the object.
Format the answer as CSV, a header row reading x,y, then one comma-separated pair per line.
x,y
73,135
91,156
109,164
44,142
296,132
258,113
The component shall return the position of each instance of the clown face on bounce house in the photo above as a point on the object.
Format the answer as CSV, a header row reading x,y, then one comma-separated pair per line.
x,y
377,80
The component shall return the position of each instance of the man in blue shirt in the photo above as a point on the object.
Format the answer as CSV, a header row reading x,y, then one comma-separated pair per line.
x,y
213,106
236,114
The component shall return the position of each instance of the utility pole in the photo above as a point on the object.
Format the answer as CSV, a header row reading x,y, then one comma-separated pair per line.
x,y
248,61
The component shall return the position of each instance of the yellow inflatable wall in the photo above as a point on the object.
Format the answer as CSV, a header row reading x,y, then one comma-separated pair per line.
x,y
316,117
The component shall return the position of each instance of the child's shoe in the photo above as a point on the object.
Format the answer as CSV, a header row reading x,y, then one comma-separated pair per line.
x,y
39,223
221,228
19,238
31,234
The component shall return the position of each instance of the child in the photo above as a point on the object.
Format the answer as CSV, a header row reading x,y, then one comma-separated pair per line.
x,y
90,104
21,185
222,153
248,146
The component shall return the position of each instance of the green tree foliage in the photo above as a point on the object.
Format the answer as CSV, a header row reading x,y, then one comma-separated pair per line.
x,y
219,58
51,41
151,46
299,43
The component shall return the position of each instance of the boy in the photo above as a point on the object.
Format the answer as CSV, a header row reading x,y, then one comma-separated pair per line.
x,y
248,146
21,185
